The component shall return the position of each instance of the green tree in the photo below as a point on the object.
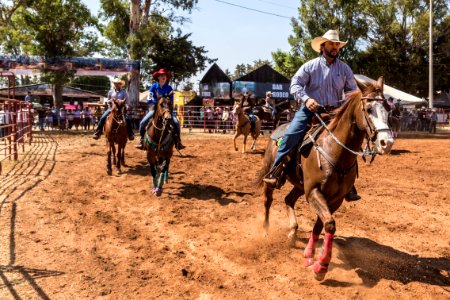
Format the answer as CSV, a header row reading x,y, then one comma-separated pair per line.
x,y
143,30
53,29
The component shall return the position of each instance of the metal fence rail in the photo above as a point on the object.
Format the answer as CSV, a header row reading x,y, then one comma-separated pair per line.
x,y
16,119
219,119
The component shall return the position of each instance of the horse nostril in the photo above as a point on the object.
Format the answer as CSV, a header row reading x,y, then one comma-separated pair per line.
x,y
383,143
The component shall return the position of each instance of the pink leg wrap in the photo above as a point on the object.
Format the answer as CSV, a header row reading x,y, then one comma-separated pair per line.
x,y
321,266
310,249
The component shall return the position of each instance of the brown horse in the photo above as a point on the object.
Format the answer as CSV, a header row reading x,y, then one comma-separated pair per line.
x,y
116,133
243,126
159,142
330,167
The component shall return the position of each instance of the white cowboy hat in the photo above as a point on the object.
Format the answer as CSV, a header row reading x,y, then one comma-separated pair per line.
x,y
329,36
268,93
118,80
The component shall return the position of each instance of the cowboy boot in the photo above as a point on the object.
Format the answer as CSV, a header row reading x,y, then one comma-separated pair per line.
x,y
178,145
140,144
274,179
97,134
352,195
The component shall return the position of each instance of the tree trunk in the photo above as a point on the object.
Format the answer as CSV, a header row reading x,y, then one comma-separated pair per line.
x,y
133,88
134,54
57,94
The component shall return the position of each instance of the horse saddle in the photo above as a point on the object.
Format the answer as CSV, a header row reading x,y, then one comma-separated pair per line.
x,y
306,145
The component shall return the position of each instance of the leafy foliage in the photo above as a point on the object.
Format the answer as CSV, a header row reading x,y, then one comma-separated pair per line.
x,y
387,38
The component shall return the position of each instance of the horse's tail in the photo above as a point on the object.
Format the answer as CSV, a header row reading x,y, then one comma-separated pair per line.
x,y
267,163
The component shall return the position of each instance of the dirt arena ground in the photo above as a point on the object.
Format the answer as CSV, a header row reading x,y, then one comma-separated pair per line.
x,y
69,231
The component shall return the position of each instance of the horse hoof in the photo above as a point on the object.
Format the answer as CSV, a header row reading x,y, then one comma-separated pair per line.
x,y
109,172
319,271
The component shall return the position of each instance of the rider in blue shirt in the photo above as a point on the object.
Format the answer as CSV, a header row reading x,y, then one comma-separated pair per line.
x,y
159,88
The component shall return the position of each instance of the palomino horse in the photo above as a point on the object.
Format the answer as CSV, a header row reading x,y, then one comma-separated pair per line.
x,y
159,142
330,167
265,113
243,126
116,133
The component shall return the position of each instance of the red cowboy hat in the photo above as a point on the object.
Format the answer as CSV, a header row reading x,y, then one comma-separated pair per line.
x,y
160,72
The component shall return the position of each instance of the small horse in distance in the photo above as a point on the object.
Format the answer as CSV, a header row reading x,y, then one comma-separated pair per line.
x,y
244,126
326,172
159,143
116,133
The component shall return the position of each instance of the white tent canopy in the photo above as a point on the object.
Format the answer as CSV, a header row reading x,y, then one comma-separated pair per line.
x,y
392,92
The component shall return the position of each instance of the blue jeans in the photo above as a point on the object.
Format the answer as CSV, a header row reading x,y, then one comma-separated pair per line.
x,y
102,121
295,133
148,117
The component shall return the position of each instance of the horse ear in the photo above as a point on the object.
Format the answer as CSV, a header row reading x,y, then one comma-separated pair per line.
x,y
362,86
380,82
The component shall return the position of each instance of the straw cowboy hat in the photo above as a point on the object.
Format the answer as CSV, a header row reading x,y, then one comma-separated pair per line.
x,y
329,36
269,93
118,80
160,72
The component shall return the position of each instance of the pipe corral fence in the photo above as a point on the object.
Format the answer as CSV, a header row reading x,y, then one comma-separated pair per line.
x,y
16,120
218,119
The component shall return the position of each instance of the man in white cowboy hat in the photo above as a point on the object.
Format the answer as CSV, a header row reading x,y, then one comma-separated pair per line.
x,y
320,81
117,92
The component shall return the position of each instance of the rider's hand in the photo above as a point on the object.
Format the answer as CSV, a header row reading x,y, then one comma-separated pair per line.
x,y
312,105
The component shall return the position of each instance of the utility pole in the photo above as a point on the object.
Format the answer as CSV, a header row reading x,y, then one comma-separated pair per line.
x,y
430,68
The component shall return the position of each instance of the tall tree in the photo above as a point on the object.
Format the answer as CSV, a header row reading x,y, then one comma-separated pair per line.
x,y
52,29
144,31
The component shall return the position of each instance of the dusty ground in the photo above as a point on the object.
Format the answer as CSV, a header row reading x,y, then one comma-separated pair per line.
x,y
68,231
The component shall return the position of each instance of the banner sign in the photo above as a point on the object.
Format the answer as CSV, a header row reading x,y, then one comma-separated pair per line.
x,y
258,89
219,90
22,65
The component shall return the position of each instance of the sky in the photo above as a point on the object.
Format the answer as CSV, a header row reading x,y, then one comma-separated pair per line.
x,y
235,31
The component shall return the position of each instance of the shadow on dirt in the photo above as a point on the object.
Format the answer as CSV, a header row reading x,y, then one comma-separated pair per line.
x,y
399,152
208,192
374,262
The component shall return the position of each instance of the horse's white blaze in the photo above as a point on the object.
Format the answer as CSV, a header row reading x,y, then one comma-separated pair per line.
x,y
379,117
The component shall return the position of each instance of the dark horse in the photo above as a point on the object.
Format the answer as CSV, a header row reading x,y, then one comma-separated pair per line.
x,y
159,142
265,114
329,167
116,133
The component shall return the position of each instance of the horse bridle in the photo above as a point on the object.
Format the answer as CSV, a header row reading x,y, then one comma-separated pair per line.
x,y
117,117
371,130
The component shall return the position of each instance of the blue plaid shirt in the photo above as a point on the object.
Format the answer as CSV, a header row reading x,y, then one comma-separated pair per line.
x,y
322,81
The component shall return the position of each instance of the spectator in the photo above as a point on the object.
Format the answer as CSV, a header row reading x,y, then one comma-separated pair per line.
x,y
433,121
87,118
28,97
41,117
77,118
70,118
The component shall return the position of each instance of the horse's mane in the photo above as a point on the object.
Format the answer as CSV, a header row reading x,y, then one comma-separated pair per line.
x,y
351,96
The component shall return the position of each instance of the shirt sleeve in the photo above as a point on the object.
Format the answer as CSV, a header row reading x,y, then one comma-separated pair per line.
x,y
350,84
125,95
152,96
298,84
